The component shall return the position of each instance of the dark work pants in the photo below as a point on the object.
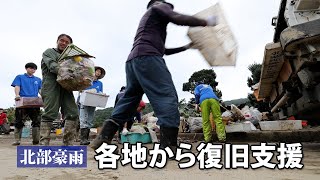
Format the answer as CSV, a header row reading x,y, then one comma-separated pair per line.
x,y
22,113
149,75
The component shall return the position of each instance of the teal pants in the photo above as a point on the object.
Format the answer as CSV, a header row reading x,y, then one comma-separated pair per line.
x,y
207,106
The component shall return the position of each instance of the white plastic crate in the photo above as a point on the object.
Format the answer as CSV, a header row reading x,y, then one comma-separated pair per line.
x,y
280,125
240,127
93,99
216,44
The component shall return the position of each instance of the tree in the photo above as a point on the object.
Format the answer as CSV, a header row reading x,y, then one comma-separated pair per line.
x,y
255,70
102,114
10,114
207,75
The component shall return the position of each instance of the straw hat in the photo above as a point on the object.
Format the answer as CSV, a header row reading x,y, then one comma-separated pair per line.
x,y
103,72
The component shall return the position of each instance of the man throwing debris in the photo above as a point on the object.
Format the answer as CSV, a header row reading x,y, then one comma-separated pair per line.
x,y
146,72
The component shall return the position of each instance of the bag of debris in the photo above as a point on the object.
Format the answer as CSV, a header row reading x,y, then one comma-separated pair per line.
x,y
76,70
152,123
138,129
251,113
152,119
246,113
236,113
195,124
144,118
74,75
256,114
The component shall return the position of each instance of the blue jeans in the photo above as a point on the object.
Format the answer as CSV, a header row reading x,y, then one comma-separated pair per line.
x,y
86,116
149,75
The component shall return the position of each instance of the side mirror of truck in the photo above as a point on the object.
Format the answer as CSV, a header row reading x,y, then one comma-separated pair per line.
x,y
274,21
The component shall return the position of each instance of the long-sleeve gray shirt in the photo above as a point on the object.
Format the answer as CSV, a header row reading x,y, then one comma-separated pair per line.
x,y
152,31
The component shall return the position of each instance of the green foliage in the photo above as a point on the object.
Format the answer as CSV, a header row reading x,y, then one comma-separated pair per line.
x,y
206,75
255,70
10,114
236,102
148,109
102,114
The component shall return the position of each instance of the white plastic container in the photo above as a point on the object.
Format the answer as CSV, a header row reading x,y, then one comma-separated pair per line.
x,y
240,127
281,125
93,99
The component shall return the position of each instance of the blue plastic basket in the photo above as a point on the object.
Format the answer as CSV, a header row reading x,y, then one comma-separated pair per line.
x,y
25,132
133,138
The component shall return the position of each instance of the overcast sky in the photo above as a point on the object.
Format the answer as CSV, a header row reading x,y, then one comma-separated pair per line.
x,y
106,29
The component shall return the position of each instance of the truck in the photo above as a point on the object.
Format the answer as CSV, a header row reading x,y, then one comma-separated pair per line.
x,y
290,73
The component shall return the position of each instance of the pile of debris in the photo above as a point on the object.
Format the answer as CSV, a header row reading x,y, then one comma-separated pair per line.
x,y
150,121
245,119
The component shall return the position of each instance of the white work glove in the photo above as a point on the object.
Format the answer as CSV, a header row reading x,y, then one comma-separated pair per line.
x,y
124,131
212,21
93,90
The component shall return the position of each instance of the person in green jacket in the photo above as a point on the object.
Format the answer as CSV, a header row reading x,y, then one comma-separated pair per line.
x,y
55,97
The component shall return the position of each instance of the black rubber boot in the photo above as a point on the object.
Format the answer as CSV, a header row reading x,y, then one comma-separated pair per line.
x,y
88,133
17,136
84,135
35,135
169,138
109,128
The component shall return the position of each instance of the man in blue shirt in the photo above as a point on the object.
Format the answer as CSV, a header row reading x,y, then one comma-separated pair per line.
x,y
27,85
87,112
209,103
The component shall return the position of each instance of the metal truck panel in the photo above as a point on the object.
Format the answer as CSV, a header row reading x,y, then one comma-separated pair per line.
x,y
292,37
301,11
271,66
